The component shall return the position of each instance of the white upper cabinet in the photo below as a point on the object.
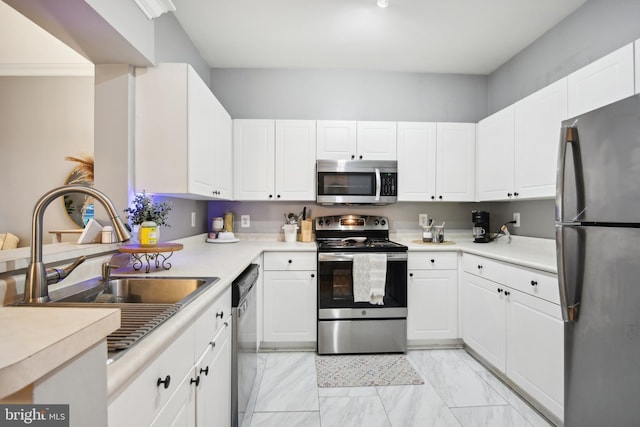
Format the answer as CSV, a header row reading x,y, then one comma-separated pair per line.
x,y
436,161
295,159
177,134
456,153
538,120
336,139
223,155
416,161
350,140
495,156
637,57
376,140
254,153
602,82
274,160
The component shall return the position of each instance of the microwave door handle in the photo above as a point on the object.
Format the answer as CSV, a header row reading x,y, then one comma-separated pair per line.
x,y
378,184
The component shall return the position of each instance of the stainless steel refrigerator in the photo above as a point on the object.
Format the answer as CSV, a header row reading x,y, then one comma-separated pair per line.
x,y
598,248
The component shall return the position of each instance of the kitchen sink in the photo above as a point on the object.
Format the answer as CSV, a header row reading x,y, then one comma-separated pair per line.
x,y
144,302
134,290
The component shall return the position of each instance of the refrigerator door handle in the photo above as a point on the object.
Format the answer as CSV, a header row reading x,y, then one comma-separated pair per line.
x,y
569,308
566,137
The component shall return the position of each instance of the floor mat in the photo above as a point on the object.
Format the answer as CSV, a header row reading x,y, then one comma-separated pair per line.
x,y
365,371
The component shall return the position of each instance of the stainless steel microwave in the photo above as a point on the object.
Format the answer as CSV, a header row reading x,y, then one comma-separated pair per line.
x,y
373,182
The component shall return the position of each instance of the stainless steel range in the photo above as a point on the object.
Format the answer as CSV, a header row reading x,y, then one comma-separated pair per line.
x,y
362,286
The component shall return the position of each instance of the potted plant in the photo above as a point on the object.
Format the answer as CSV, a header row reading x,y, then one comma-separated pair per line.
x,y
148,216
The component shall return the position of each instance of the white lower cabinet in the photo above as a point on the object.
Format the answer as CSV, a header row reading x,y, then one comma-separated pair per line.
x,y
290,294
515,324
432,292
189,383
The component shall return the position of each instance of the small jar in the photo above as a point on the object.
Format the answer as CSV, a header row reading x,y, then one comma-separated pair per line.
x,y
148,233
107,234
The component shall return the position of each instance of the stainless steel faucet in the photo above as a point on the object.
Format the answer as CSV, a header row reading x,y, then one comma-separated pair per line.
x,y
36,286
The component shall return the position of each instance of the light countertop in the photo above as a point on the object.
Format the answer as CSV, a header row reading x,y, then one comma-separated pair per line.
x,y
198,258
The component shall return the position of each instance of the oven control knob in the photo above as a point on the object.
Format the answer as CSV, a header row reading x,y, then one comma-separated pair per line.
x,y
383,222
320,222
327,222
376,222
364,312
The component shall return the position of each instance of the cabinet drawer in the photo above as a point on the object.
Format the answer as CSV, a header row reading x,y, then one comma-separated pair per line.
x,y
211,321
290,261
141,401
484,267
432,261
534,282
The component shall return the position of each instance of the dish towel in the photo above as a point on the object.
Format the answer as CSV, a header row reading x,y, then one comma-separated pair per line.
x,y
369,277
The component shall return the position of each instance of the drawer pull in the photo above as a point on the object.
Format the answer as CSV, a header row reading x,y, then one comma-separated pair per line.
x,y
212,344
500,290
479,267
196,381
507,293
205,371
433,261
290,261
534,283
313,275
410,274
166,382
220,315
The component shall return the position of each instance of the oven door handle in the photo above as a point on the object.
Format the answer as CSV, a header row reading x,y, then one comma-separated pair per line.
x,y
378,185
341,257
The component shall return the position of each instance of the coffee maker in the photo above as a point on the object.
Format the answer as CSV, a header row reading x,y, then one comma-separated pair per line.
x,y
480,221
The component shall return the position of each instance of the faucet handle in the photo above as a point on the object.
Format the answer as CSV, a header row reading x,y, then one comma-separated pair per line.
x,y
54,275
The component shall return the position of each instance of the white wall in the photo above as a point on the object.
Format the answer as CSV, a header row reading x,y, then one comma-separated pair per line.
x,y
42,120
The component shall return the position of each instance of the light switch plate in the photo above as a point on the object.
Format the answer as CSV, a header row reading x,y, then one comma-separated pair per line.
x,y
245,221
423,220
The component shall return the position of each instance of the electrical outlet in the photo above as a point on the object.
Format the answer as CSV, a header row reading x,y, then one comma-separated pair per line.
x,y
516,218
245,221
423,219
193,219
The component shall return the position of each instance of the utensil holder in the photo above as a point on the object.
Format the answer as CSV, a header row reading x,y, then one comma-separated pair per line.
x,y
290,231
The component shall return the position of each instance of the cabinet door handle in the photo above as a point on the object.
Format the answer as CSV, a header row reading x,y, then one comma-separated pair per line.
x,y
360,156
500,290
213,343
509,194
278,196
479,267
271,196
290,261
433,197
196,381
205,371
534,283
433,261
313,275
440,197
507,293
516,194
220,315
410,274
166,382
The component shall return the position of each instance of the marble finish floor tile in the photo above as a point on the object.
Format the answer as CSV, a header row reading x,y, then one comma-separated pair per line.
x,y
360,411
262,361
285,419
469,360
454,380
515,401
494,416
416,406
346,391
289,383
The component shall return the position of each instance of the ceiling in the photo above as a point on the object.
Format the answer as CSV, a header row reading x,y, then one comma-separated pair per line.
x,y
439,36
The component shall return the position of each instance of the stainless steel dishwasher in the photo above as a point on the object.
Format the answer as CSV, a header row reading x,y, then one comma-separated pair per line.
x,y
244,361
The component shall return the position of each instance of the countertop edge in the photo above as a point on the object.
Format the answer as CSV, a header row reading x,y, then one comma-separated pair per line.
x,y
96,324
